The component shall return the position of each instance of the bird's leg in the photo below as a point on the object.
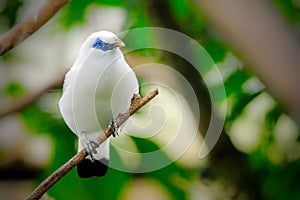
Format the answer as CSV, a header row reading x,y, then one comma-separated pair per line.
x,y
89,146
115,127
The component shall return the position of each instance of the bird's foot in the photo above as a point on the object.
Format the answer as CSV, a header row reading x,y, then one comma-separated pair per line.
x,y
115,127
89,146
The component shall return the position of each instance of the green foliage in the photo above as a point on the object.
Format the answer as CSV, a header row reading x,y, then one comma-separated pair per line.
x,y
72,187
14,89
276,180
165,174
216,49
8,15
41,122
290,9
74,12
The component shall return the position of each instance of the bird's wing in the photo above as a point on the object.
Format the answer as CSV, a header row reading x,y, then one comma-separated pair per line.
x,y
68,78
65,105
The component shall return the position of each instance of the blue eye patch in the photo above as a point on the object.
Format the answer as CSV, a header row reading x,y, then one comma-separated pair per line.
x,y
99,44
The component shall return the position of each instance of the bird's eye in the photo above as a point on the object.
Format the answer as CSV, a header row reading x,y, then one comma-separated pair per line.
x,y
100,44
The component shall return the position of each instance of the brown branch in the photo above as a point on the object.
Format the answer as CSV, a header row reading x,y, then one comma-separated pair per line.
x,y
274,58
23,30
29,98
136,103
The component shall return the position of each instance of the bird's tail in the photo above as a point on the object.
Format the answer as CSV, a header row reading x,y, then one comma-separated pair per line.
x,y
98,167
88,168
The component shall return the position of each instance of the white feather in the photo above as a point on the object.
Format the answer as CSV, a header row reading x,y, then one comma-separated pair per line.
x,y
97,88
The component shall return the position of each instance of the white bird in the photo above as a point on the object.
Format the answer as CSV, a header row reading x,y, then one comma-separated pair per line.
x,y
98,87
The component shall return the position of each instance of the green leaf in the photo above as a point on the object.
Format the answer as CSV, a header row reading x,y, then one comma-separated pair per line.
x,y
74,13
233,84
241,101
9,13
215,49
14,89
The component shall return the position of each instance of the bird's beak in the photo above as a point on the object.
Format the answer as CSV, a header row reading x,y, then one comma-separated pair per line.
x,y
119,43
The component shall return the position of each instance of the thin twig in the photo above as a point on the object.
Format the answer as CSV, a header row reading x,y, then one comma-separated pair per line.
x,y
136,103
28,99
26,28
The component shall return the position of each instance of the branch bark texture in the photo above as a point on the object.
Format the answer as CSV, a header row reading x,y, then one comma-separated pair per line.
x,y
29,99
136,103
265,40
26,28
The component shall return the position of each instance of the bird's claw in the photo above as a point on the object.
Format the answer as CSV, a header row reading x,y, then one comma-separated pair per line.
x,y
115,127
89,147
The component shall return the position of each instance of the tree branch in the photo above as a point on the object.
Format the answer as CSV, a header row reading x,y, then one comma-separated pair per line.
x,y
23,30
136,103
274,58
29,98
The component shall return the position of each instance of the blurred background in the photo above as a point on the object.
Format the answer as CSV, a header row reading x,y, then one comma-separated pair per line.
x,y
255,47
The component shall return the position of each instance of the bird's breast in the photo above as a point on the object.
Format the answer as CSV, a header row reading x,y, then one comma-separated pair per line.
x,y
101,89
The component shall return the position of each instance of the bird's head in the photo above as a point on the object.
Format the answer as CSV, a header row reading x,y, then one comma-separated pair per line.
x,y
102,41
